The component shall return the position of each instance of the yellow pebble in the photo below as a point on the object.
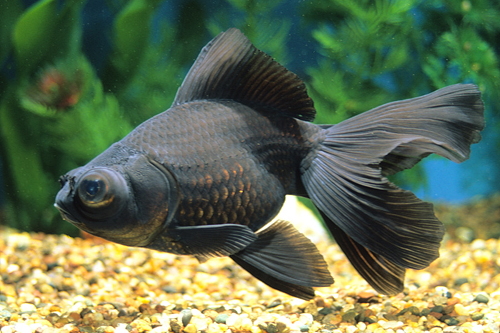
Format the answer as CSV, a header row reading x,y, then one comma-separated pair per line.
x,y
142,300
408,329
45,322
461,310
246,324
190,328
109,329
255,329
315,327
372,327
155,318
213,328
141,325
15,317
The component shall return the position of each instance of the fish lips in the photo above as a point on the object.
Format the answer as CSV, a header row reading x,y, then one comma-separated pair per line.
x,y
64,204
64,198
66,215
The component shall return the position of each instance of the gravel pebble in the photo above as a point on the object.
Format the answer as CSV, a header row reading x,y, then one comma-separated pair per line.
x,y
481,298
221,319
61,284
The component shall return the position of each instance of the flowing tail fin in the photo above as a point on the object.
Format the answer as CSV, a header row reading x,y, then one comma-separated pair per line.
x,y
384,229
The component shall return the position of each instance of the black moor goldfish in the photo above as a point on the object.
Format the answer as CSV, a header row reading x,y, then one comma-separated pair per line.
x,y
207,176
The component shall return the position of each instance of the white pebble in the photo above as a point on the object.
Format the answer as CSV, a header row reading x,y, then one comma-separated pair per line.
x,y
391,324
493,327
231,320
98,267
77,307
361,325
22,328
37,327
125,269
12,268
245,324
79,298
196,313
351,329
425,277
478,244
122,328
201,323
442,290
306,318
165,303
492,316
285,321
164,320
27,307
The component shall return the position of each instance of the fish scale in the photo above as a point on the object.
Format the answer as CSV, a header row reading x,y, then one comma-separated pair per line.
x,y
208,176
258,152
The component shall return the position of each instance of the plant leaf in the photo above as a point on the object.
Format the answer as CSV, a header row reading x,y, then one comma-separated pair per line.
x,y
9,12
33,33
131,30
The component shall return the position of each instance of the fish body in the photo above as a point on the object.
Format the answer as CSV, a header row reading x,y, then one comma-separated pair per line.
x,y
239,177
208,176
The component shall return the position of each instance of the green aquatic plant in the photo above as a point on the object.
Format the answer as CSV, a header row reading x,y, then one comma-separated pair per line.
x,y
60,120
33,36
55,114
158,76
270,31
130,31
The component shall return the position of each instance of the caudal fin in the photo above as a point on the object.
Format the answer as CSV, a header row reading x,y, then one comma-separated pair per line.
x,y
383,275
346,179
285,260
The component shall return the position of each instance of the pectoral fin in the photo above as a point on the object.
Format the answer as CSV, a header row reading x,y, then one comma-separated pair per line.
x,y
208,241
286,260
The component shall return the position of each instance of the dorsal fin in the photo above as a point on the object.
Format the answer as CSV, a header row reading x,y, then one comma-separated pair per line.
x,y
229,67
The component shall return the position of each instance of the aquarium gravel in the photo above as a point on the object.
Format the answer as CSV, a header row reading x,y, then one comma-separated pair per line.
x,y
60,284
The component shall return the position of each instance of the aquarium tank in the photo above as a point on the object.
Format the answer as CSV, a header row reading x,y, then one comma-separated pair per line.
x,y
78,75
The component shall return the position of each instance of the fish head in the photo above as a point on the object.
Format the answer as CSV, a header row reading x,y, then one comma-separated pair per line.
x,y
130,202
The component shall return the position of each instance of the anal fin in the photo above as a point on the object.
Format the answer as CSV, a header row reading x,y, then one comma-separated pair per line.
x,y
285,260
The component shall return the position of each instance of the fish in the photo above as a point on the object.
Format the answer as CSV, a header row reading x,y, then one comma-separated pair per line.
x,y
208,176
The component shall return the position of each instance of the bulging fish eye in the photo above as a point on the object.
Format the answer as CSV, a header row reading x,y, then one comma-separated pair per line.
x,y
101,193
94,191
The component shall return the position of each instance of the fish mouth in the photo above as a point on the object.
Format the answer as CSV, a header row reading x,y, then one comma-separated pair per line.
x,y
66,215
